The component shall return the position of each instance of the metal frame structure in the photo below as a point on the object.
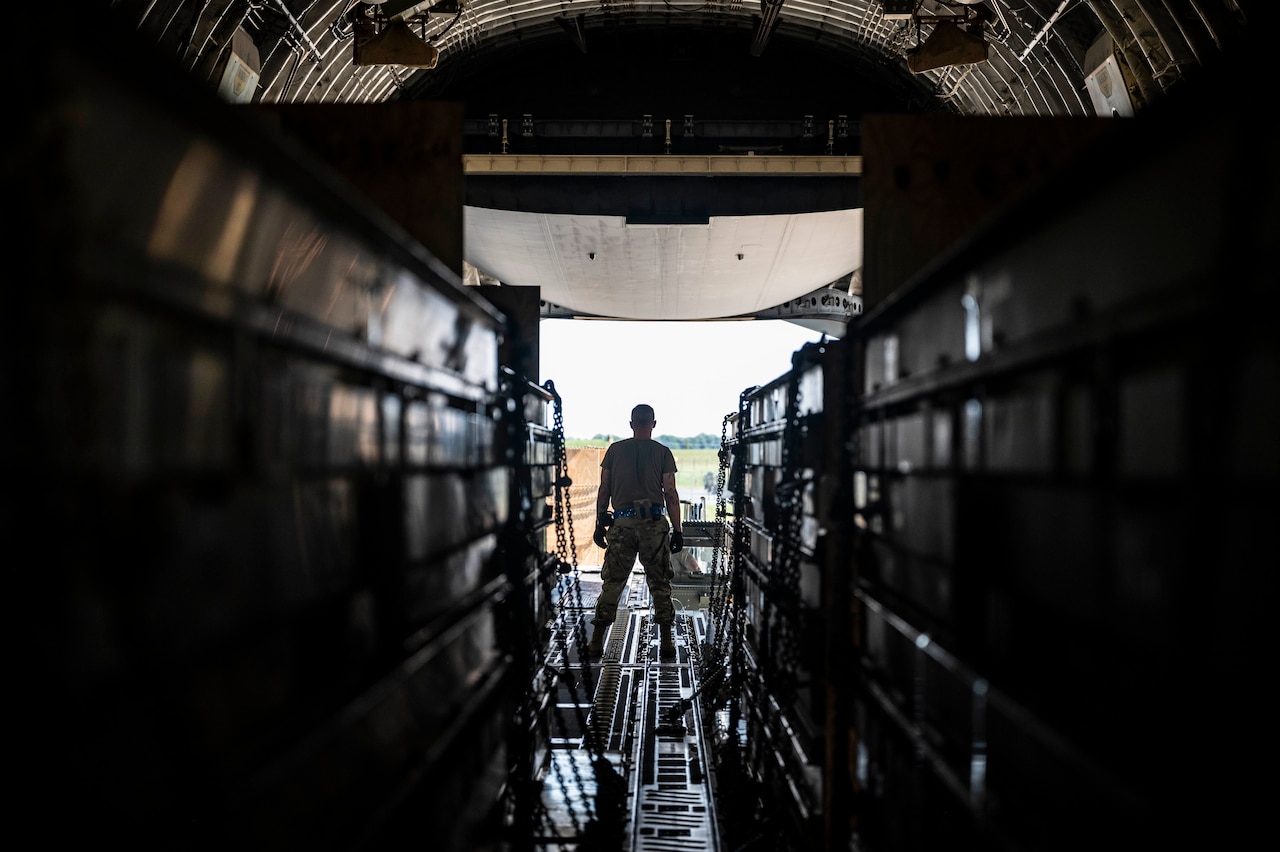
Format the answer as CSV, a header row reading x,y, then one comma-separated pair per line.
x,y
1037,48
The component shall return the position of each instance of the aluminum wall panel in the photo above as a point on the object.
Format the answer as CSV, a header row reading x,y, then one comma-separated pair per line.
x,y
269,466
1061,509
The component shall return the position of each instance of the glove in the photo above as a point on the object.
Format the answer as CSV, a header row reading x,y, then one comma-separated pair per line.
x,y
677,541
603,520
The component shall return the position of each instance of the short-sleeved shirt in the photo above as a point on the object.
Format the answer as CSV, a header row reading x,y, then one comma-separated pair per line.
x,y
635,467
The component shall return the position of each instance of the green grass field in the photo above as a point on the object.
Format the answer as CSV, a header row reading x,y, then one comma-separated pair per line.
x,y
693,466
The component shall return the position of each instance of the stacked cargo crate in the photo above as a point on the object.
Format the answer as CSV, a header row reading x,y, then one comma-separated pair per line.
x,y
777,590
1057,468
265,456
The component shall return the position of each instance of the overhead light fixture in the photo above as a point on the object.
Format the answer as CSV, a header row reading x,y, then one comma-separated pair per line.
x,y
240,69
948,44
394,45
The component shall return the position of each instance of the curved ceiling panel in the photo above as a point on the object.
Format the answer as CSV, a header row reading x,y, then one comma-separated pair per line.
x,y
743,78
605,266
1038,52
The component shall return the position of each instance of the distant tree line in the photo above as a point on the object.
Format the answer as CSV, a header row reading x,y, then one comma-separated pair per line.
x,y
698,442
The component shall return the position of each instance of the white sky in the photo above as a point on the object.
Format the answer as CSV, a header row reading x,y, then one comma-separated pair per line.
x,y
690,372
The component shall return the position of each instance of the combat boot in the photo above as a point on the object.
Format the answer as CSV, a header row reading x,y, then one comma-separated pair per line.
x,y
595,647
667,646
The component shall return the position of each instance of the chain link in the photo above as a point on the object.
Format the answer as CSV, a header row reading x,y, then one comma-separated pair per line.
x,y
737,589
568,629
521,638
713,663
784,578
566,545
719,575
727,610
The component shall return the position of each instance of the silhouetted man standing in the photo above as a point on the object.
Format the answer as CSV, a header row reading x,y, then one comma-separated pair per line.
x,y
638,475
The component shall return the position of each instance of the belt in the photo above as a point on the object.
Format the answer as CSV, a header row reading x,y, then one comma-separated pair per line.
x,y
631,513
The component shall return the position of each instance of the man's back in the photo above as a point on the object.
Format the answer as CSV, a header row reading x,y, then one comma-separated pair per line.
x,y
635,468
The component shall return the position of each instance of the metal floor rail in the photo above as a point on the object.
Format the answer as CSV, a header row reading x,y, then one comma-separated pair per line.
x,y
651,731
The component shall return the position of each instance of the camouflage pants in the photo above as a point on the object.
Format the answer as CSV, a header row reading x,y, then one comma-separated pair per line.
x,y
628,538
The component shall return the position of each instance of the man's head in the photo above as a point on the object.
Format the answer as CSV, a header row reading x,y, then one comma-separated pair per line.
x,y
642,417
